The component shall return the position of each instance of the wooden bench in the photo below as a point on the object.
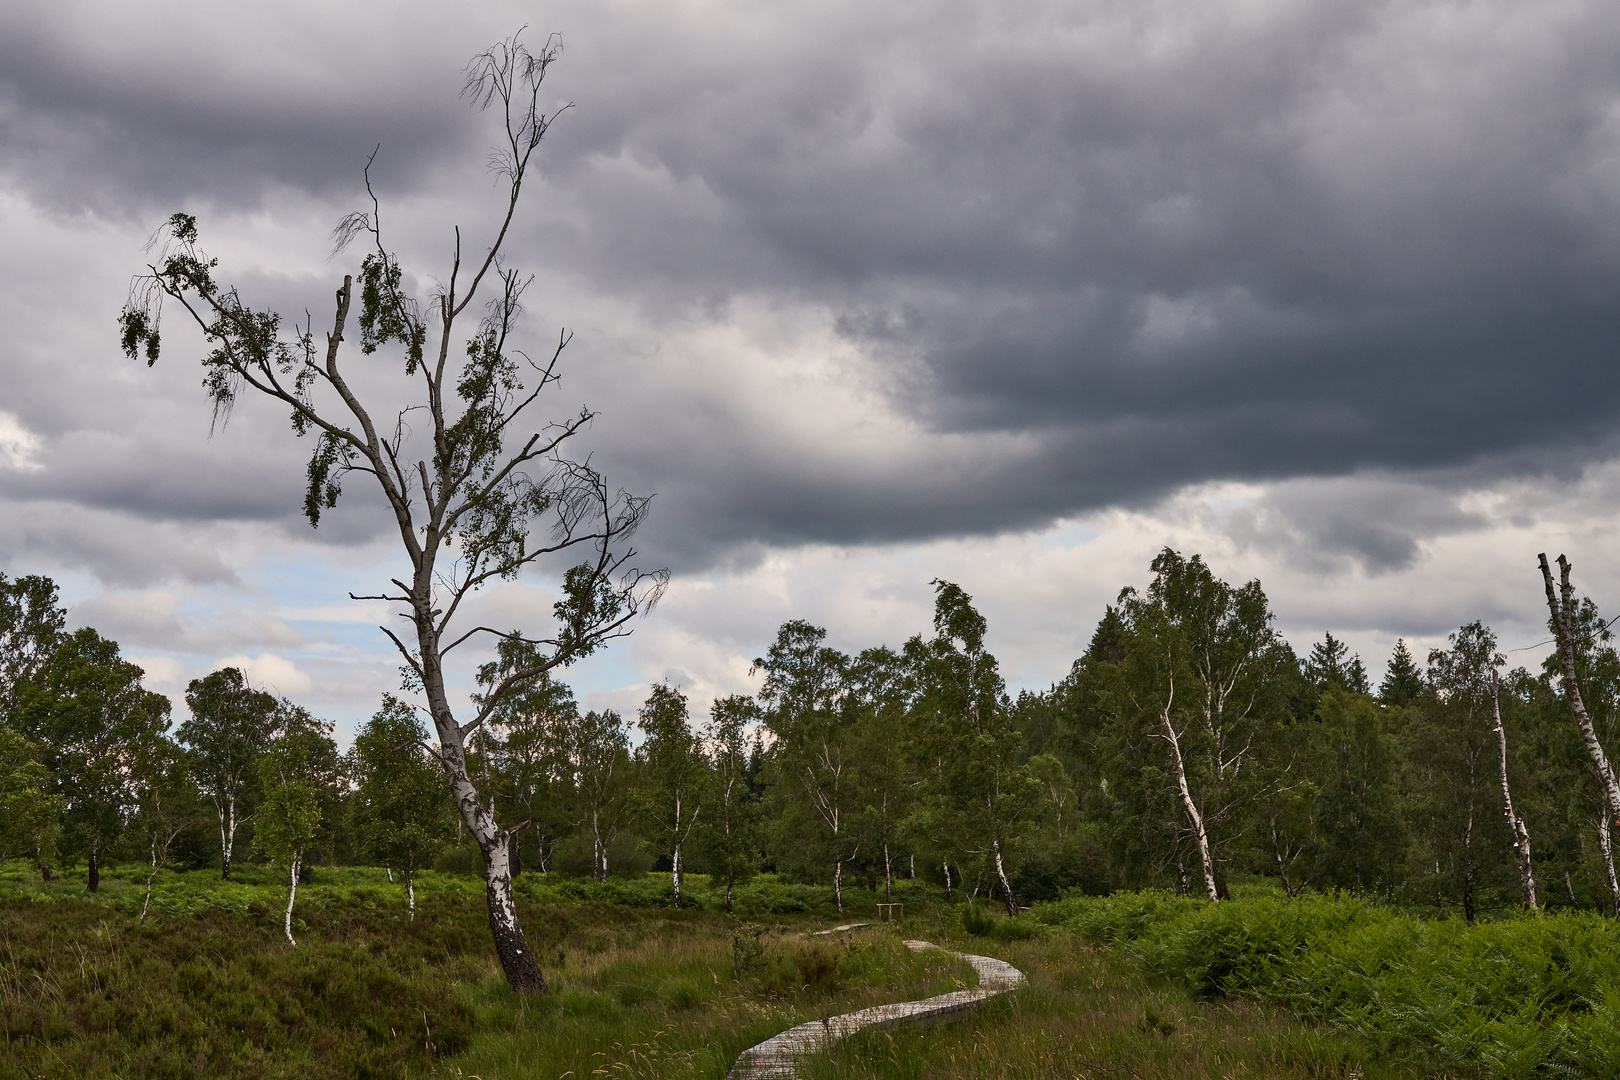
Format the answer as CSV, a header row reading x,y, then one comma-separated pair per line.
x,y
891,912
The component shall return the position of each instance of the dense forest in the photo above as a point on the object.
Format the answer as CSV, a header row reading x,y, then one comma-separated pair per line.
x,y
1189,747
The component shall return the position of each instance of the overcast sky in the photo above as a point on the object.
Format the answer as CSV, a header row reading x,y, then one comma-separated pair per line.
x,y
1011,294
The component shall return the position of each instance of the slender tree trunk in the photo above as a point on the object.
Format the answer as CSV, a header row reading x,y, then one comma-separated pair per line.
x,y
147,903
292,893
1606,847
946,863
675,873
1006,886
731,883
1569,887
888,875
598,845
518,961
227,836
389,870
1468,865
838,883
1282,863
94,874
410,893
1187,802
1521,834
913,867
1566,652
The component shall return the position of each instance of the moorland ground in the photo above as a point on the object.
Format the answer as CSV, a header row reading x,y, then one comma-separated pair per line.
x,y
208,986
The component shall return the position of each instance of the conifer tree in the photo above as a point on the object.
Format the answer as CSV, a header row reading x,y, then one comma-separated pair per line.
x,y
1403,681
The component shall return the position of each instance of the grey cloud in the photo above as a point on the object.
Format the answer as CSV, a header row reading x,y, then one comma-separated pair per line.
x,y
1375,522
58,537
155,620
1091,253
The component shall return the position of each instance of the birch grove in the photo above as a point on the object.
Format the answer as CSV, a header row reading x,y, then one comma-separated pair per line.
x,y
1188,748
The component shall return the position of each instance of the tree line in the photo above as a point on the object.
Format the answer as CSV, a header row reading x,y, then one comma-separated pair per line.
x,y
1188,746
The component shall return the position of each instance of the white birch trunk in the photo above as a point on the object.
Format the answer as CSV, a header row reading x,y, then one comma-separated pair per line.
x,y
147,903
410,893
292,894
598,848
389,870
1566,652
888,875
1606,846
1006,886
1187,802
946,863
838,884
227,834
675,873
1521,834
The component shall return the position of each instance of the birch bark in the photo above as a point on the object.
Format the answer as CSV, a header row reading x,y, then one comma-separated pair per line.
x,y
1521,833
292,894
1006,886
1199,832
1559,603
1606,847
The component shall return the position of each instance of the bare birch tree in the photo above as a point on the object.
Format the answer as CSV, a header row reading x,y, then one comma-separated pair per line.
x,y
467,506
1561,604
1521,832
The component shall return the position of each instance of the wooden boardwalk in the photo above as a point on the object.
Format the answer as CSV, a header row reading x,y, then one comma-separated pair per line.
x,y
780,1055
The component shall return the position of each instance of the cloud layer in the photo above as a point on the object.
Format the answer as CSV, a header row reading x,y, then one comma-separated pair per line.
x,y
1327,286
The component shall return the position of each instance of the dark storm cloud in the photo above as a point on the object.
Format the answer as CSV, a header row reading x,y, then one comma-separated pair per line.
x,y
138,108
1091,253
1165,244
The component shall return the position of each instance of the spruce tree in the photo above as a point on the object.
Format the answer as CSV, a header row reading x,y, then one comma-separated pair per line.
x,y
1403,682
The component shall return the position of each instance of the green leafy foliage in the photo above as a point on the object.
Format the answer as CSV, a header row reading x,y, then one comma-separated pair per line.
x,y
1518,998
401,814
28,807
93,721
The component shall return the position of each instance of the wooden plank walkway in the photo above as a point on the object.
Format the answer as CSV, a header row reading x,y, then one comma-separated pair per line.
x,y
779,1056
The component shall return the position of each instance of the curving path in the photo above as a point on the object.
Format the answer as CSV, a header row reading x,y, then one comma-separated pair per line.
x,y
778,1056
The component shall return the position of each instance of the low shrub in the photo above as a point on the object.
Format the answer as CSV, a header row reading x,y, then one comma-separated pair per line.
x,y
1525,996
88,991
980,923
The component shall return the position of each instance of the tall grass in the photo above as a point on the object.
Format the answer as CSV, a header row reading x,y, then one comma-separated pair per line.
x,y
643,1001
1085,1015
